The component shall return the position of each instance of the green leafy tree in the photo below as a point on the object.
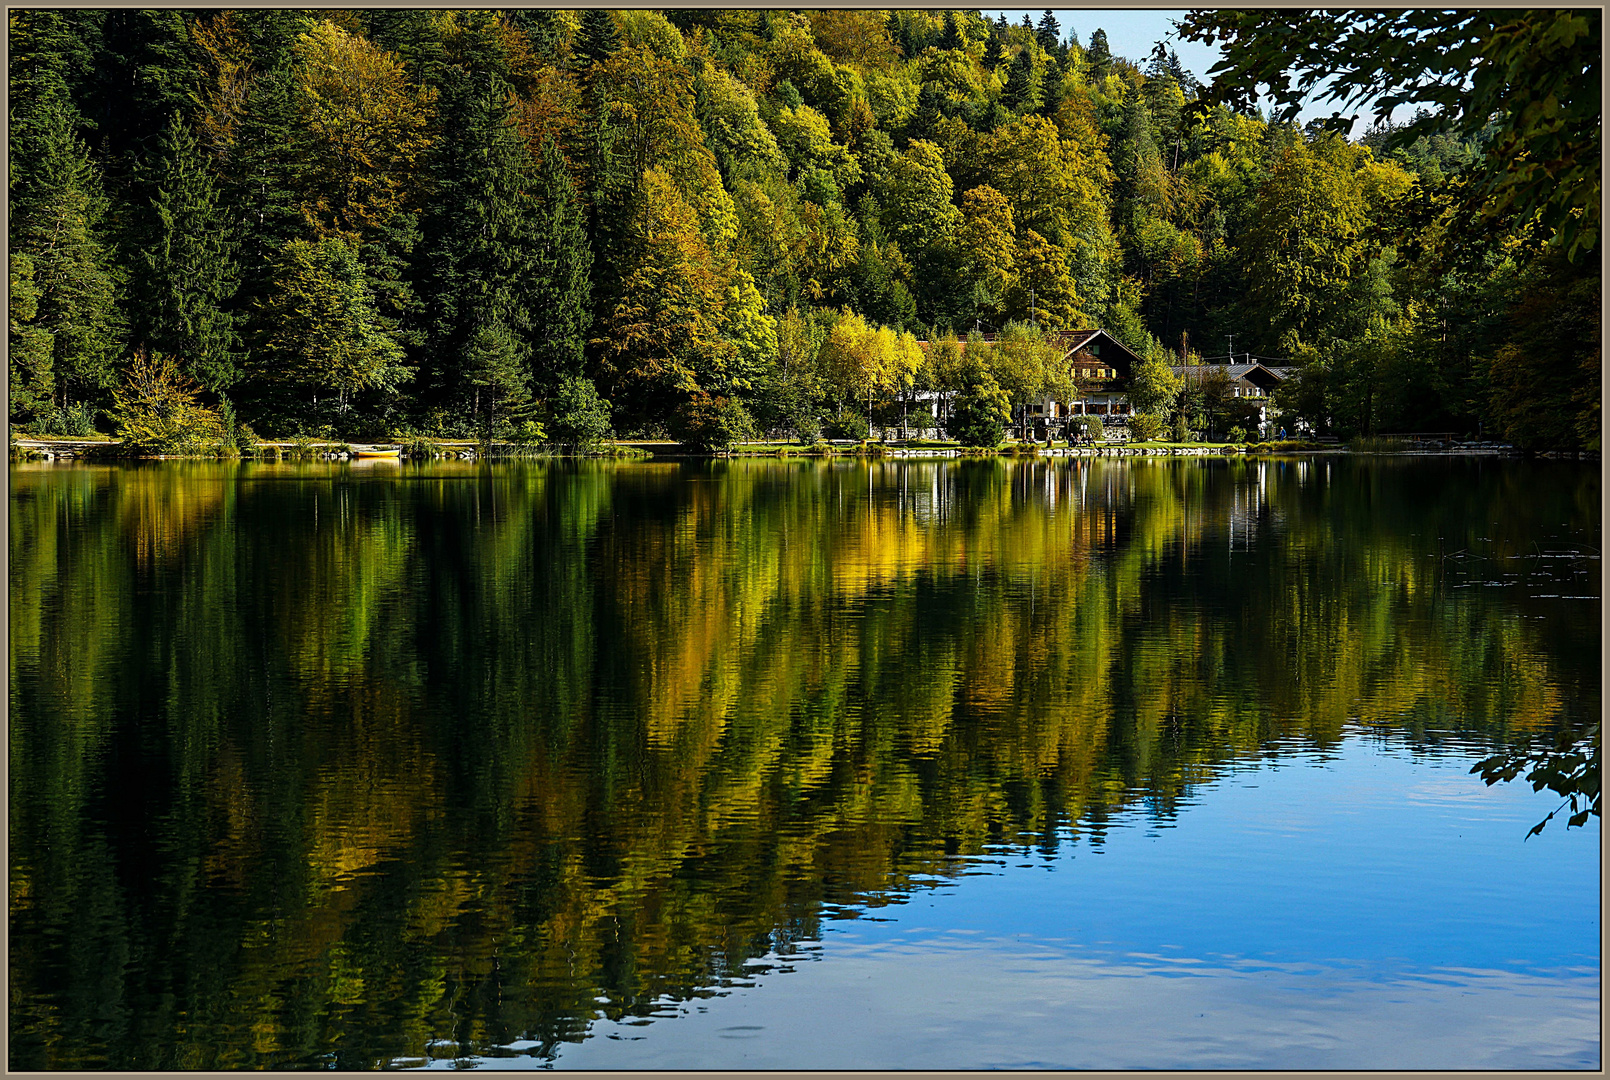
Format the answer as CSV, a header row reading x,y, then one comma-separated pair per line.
x,y
326,340
980,412
711,423
1153,386
1532,74
577,416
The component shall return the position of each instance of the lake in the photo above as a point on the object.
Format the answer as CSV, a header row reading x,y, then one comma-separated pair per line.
x,y
1088,763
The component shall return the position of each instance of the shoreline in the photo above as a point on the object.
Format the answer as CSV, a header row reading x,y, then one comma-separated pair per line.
x,y
333,450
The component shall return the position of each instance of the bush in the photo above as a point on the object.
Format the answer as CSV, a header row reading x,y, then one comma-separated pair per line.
x,y
980,413
78,420
807,429
1145,427
1236,435
1179,432
712,424
577,416
155,410
1088,428
848,424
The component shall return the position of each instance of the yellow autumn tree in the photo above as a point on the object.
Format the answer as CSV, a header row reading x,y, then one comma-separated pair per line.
x,y
863,362
367,127
663,340
155,409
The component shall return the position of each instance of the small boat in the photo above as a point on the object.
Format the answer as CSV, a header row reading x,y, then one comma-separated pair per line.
x,y
376,452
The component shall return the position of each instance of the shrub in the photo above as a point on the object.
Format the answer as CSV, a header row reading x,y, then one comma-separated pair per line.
x,y
577,416
1179,432
807,429
155,410
1089,428
1236,435
1145,427
981,411
848,424
526,433
711,423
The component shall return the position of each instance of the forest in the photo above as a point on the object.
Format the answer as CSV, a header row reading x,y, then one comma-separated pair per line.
x,y
551,227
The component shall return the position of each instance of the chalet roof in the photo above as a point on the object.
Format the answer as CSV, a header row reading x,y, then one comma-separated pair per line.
x,y
1068,340
1253,373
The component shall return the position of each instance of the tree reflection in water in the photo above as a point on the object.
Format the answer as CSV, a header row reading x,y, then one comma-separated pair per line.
x,y
324,765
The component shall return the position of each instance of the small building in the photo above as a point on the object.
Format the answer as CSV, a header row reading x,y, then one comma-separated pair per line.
x,y
1253,381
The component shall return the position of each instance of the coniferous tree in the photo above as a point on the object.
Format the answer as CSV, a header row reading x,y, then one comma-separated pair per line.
x,y
1051,87
595,41
262,198
1140,179
1049,32
29,347
1022,91
559,284
994,53
147,69
190,274
57,208
479,249
1099,56
951,37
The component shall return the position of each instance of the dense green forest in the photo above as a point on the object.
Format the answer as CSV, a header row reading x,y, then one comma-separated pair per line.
x,y
552,225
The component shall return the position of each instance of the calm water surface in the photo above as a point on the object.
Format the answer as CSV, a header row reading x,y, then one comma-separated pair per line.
x,y
772,764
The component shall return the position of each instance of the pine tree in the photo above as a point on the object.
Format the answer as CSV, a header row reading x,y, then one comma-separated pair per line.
x,y
951,37
190,275
479,251
496,377
595,41
29,347
1051,88
1140,180
559,286
1049,32
262,198
1022,91
994,53
57,207
1099,56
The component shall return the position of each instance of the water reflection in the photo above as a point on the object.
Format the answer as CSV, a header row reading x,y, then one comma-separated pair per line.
x,y
323,765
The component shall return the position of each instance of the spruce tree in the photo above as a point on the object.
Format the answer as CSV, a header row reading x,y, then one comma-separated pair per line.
x,y
559,287
1051,87
1049,32
57,208
262,197
189,272
477,253
1022,91
951,38
994,54
29,347
1099,55
595,41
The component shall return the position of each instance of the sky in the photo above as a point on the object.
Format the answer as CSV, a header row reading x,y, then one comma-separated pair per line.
x,y
1132,32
